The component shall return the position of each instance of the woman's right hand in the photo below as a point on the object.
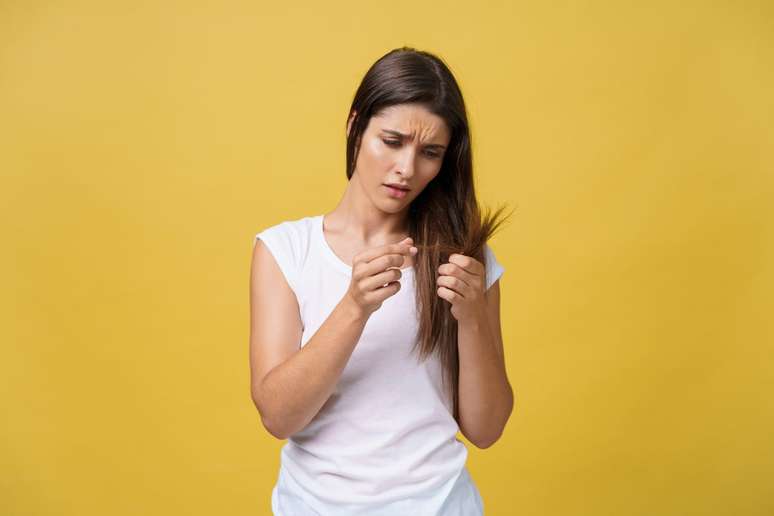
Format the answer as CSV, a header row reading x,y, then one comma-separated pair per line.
x,y
372,280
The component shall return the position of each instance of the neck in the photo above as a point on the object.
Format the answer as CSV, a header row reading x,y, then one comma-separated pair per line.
x,y
356,216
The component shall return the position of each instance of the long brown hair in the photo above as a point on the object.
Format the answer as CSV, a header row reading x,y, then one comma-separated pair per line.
x,y
445,217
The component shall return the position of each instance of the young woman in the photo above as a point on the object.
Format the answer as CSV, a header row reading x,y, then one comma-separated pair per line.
x,y
375,329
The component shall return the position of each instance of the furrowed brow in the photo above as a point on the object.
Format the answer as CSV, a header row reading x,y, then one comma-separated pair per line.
x,y
403,136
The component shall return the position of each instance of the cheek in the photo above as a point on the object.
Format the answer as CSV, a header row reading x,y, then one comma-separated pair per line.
x,y
376,153
429,174
373,162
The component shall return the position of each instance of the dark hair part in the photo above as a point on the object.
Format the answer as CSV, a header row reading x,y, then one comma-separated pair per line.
x,y
445,218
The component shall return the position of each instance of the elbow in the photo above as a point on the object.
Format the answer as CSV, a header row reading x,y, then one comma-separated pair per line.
x,y
268,423
274,430
487,442
482,440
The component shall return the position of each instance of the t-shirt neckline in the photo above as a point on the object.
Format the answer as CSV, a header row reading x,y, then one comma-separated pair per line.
x,y
332,256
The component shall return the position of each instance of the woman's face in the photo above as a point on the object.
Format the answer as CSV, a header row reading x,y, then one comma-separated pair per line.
x,y
404,145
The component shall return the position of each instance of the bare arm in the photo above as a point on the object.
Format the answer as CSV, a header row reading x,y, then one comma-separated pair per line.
x,y
485,394
293,392
290,385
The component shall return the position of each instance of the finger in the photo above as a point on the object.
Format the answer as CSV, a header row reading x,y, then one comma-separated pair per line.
x,y
398,247
447,294
453,283
452,269
467,263
381,280
383,263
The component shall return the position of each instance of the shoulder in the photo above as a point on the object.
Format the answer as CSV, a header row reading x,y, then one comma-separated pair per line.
x,y
289,243
293,232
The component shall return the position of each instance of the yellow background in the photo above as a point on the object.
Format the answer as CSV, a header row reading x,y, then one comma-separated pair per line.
x,y
143,144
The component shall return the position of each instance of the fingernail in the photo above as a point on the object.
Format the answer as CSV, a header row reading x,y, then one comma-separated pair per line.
x,y
413,250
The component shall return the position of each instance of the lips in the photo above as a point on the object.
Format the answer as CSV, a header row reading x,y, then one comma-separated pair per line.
x,y
396,192
399,187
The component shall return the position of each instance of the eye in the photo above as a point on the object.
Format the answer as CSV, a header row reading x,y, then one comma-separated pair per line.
x,y
395,143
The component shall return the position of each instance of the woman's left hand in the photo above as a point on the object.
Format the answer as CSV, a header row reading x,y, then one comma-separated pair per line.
x,y
461,283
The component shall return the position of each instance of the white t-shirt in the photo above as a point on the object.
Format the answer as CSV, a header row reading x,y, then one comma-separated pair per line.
x,y
385,441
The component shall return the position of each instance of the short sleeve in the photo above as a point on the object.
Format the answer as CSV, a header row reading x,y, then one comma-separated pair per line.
x,y
494,269
279,240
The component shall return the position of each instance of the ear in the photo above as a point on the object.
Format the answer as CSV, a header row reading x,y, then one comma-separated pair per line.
x,y
349,122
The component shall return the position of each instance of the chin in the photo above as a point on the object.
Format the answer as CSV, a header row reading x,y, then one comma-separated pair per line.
x,y
393,207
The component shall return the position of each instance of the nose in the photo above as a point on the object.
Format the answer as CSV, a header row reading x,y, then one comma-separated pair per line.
x,y
406,163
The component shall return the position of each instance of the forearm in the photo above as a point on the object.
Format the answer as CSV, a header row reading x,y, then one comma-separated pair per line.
x,y
294,391
485,395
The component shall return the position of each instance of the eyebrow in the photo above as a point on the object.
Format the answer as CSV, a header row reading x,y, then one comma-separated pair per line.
x,y
401,135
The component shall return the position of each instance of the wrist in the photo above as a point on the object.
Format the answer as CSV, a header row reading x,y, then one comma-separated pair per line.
x,y
352,309
475,322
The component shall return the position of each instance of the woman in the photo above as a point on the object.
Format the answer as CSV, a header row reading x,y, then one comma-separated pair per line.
x,y
375,329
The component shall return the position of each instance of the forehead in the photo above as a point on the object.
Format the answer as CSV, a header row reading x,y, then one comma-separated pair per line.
x,y
411,119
